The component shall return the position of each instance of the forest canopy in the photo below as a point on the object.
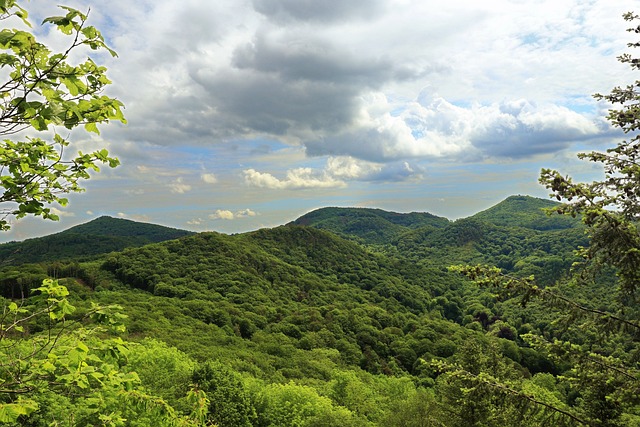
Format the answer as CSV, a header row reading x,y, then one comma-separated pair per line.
x,y
344,317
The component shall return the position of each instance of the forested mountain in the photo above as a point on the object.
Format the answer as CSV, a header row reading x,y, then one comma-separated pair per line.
x,y
517,234
354,324
527,212
368,225
101,235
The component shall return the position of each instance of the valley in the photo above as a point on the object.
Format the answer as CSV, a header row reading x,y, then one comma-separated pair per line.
x,y
355,309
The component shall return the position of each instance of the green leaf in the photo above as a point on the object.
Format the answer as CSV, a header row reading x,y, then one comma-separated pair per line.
x,y
82,346
92,127
71,83
5,37
90,32
56,20
10,412
39,123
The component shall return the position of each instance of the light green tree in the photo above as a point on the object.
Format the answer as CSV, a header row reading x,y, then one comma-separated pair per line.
x,y
293,405
62,368
41,92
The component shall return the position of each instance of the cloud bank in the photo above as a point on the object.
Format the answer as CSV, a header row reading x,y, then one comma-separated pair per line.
x,y
283,103
382,81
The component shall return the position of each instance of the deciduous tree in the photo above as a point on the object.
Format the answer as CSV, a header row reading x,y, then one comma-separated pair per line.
x,y
41,93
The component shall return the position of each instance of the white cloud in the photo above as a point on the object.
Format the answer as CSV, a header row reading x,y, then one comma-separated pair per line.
x,y
178,186
209,178
296,179
435,128
337,172
222,214
229,215
62,213
350,168
245,213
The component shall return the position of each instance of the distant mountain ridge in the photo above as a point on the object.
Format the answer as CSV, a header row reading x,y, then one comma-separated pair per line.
x,y
364,225
518,226
101,235
368,225
109,226
376,226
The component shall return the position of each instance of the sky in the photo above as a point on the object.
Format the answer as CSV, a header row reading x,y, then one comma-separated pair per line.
x,y
244,114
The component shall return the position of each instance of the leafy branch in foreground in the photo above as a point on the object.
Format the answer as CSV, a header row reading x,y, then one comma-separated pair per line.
x,y
74,368
526,289
43,91
541,407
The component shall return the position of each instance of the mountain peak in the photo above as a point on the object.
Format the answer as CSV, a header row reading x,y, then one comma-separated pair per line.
x,y
367,224
527,212
109,226
100,235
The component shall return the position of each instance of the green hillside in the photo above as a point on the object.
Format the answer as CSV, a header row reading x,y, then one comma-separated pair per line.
x,y
303,314
251,283
281,266
517,234
547,254
108,226
101,235
526,212
291,303
368,225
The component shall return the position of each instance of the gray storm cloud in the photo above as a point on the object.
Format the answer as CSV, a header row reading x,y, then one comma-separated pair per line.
x,y
344,78
326,11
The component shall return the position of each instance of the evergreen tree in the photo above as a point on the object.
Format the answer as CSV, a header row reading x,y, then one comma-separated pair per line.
x,y
603,375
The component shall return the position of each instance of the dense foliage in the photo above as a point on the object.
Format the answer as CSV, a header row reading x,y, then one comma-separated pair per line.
x,y
336,332
346,317
100,236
